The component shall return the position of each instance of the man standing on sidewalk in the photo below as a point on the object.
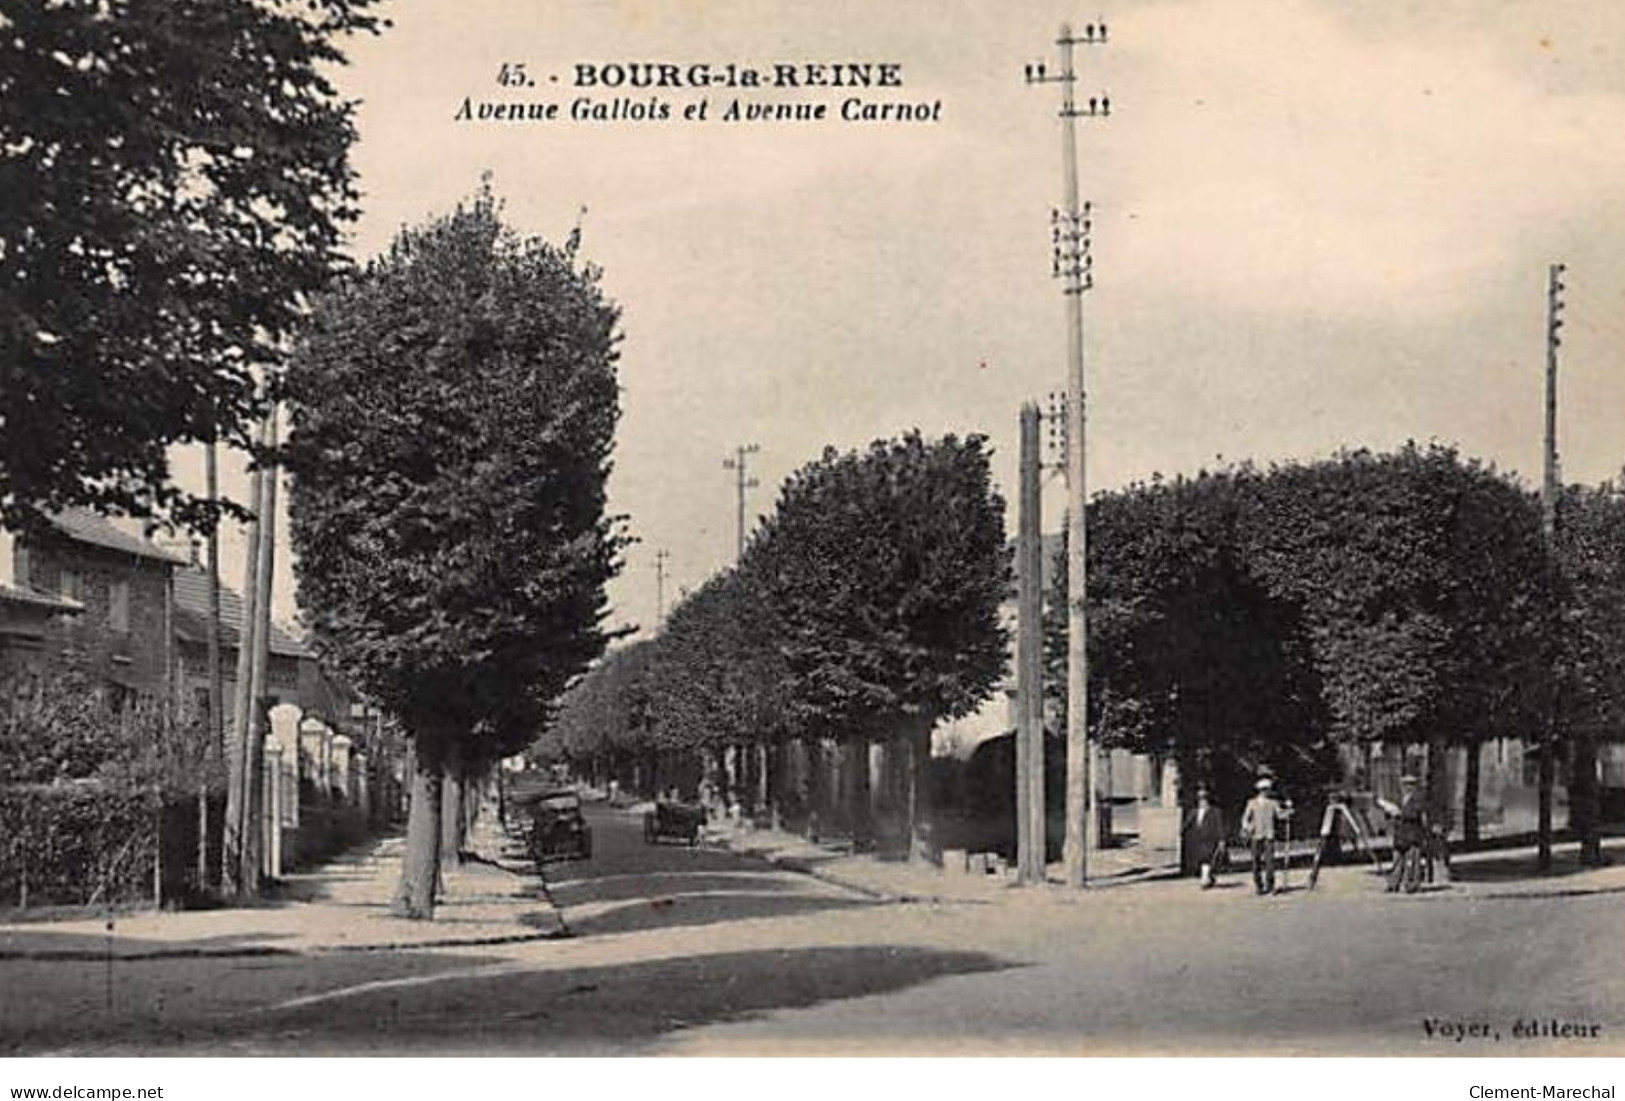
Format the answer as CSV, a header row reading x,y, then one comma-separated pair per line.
x,y
1411,832
1258,825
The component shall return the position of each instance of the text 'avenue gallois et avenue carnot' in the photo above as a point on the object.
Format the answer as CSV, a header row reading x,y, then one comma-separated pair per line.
x,y
630,92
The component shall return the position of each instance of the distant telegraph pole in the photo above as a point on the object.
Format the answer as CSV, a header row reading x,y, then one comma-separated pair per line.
x,y
1550,486
742,482
661,558
1074,265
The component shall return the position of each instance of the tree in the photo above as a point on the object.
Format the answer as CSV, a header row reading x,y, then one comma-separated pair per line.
x,y
1426,590
1591,562
1263,618
454,410
176,182
605,715
717,680
886,569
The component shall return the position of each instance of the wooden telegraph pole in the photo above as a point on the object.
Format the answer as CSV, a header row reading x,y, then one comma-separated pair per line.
x,y
1550,485
242,703
1074,265
1030,866
255,805
215,729
240,851
661,558
742,482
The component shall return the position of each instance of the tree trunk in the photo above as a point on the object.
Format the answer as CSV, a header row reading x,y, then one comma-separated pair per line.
x,y
453,785
815,787
763,800
745,762
856,791
920,811
1543,819
773,783
1437,782
1585,800
1470,793
421,865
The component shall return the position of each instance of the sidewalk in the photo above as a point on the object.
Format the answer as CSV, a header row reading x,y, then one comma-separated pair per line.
x,y
1495,874
340,907
912,881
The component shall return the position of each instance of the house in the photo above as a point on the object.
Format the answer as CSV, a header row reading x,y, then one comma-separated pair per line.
x,y
286,657
26,623
120,588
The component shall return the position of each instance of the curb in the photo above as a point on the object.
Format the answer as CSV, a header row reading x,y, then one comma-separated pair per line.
x,y
813,869
254,951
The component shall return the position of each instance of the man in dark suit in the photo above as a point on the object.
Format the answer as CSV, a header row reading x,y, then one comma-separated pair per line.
x,y
1204,836
1411,829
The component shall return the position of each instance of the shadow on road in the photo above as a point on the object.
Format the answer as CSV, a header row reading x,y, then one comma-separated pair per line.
x,y
51,945
684,909
1506,867
577,892
140,1006
599,1010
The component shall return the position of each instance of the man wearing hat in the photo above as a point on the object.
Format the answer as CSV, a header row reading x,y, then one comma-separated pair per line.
x,y
1258,826
1410,835
1204,832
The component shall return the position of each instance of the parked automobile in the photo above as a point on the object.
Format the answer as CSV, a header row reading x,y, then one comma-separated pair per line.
x,y
678,821
558,831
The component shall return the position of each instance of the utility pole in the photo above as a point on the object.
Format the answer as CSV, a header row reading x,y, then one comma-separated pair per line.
x,y
215,731
233,840
1550,486
240,851
1073,264
1030,865
661,558
742,482
256,842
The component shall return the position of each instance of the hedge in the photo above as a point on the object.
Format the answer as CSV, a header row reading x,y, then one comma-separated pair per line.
x,y
76,842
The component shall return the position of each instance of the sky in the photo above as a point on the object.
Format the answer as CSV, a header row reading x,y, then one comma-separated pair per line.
x,y
1317,224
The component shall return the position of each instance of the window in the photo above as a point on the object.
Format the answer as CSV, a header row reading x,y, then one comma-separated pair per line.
x,y
71,585
118,606
118,697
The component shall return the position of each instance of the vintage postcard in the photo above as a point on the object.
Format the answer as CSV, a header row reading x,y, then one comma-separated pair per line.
x,y
670,638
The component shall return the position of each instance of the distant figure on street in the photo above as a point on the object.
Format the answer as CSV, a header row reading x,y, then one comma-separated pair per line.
x,y
1204,833
1258,828
1411,829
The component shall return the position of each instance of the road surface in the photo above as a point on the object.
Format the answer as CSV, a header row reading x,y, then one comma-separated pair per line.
x,y
679,950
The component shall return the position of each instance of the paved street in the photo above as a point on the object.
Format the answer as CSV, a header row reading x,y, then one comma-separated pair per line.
x,y
673,949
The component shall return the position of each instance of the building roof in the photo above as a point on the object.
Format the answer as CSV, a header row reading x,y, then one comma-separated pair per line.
x,y
192,615
84,526
37,599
